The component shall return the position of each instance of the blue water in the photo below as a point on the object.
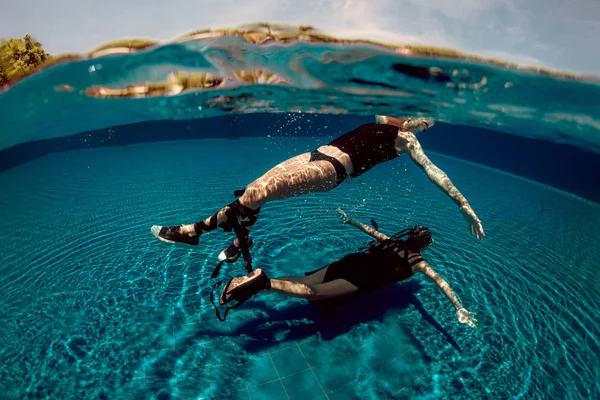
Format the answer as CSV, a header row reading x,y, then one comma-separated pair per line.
x,y
327,78
94,307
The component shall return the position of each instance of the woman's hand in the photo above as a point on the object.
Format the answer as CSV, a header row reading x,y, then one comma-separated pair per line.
x,y
474,222
465,317
343,216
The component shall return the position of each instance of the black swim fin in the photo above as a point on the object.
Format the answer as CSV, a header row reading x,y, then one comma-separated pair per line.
x,y
256,281
251,284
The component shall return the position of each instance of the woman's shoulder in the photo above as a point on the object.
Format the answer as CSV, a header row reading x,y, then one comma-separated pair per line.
x,y
415,259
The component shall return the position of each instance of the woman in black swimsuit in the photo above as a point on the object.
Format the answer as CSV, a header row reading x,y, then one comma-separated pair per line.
x,y
351,154
389,260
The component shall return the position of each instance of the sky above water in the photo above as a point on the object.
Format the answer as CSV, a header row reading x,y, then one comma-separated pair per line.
x,y
561,34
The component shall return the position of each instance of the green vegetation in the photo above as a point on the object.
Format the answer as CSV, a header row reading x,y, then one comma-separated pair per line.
x,y
3,77
20,57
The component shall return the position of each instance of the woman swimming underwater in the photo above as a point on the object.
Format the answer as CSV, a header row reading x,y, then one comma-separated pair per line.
x,y
349,155
390,259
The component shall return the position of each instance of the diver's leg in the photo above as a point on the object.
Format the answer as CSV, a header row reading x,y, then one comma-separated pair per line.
x,y
312,279
300,176
243,287
233,251
321,291
293,177
189,234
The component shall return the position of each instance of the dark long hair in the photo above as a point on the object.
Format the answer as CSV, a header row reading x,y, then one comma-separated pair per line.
x,y
417,238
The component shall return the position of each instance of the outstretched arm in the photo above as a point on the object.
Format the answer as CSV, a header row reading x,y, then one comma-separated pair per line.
x,y
464,316
365,228
381,119
441,180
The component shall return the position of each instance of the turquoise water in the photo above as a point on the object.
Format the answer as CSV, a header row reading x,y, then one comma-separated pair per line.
x,y
326,78
94,307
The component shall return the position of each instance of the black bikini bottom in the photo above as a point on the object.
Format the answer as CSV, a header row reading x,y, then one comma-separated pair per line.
x,y
339,168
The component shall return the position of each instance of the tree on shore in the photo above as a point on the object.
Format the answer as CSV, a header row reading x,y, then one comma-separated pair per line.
x,y
3,78
19,57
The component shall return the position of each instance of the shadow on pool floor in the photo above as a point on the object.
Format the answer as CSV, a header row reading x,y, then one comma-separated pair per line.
x,y
266,328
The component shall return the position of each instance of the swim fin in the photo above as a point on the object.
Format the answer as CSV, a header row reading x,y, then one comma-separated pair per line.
x,y
245,287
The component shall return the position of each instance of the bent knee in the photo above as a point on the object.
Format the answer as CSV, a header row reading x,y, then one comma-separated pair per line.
x,y
254,196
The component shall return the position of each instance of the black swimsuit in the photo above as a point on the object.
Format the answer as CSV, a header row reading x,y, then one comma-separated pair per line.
x,y
372,271
367,146
340,170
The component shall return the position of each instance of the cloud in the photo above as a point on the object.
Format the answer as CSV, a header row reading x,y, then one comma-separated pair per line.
x,y
548,32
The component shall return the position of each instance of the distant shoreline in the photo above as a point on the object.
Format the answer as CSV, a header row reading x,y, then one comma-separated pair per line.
x,y
265,33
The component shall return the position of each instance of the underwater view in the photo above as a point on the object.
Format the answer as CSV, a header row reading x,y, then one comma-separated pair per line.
x,y
148,187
